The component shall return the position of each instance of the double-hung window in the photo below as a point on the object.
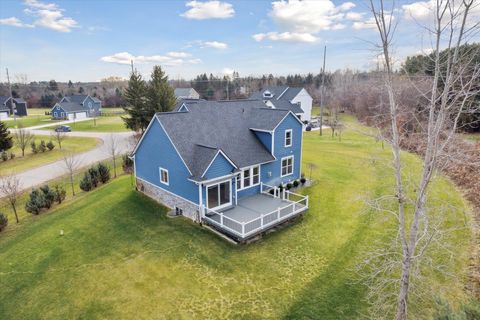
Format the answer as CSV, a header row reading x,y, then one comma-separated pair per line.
x,y
164,178
288,138
248,178
287,166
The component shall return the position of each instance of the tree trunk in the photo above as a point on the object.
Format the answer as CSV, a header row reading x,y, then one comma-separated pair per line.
x,y
15,212
71,183
403,294
114,168
23,152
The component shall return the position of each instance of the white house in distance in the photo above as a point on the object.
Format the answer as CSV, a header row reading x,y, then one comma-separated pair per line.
x,y
297,100
186,93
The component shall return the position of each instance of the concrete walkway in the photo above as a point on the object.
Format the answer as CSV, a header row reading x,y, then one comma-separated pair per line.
x,y
42,174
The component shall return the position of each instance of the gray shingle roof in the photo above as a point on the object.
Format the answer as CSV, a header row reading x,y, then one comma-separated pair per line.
x,y
3,99
282,95
72,107
19,100
210,126
76,98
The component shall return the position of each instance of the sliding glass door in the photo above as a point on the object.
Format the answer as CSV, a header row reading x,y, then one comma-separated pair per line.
x,y
219,195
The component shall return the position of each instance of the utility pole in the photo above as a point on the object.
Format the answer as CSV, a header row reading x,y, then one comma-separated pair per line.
x,y
14,108
322,91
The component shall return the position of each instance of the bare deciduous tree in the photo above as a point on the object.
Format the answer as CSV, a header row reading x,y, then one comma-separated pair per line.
x,y
451,88
10,188
71,163
59,136
113,151
22,138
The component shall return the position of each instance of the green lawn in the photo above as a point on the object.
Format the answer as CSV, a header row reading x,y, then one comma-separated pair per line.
x,y
103,124
31,120
122,258
472,136
31,160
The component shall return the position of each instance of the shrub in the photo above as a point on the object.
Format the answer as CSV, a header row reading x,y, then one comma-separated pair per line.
x,y
86,182
271,191
281,187
295,183
49,196
103,172
36,202
4,156
93,172
33,145
303,180
60,193
50,145
289,186
127,164
42,147
3,221
12,155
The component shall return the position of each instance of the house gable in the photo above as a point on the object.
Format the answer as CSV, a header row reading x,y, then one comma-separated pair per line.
x,y
219,167
155,151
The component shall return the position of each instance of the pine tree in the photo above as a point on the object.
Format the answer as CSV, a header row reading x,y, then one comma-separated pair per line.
x,y
161,97
135,99
5,138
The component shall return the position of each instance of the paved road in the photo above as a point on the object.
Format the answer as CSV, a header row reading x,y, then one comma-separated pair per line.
x,y
42,174
59,123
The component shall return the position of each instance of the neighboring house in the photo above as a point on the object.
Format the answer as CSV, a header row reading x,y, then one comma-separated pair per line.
x,y
76,107
186,93
222,163
297,100
6,107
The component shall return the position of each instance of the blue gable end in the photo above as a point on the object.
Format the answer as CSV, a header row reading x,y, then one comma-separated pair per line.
x,y
271,172
58,112
156,151
219,167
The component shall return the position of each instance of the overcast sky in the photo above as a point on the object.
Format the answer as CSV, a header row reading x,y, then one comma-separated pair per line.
x,y
90,40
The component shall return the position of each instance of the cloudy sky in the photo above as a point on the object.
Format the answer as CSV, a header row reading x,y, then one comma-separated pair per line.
x,y
89,40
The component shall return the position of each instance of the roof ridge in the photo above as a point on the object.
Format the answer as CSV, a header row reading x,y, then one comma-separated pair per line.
x,y
205,146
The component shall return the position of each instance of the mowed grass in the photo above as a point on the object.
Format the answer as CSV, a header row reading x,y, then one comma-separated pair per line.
x,y
34,118
31,160
101,124
122,258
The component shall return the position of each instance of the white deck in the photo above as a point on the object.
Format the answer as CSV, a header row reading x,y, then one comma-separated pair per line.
x,y
257,213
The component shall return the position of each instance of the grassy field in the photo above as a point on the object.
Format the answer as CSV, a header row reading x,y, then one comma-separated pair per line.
x,y
31,160
103,124
122,258
31,120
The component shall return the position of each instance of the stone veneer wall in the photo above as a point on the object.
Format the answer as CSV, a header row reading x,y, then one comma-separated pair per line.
x,y
168,199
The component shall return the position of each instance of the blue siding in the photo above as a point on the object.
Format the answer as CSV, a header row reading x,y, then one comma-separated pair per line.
x,y
59,111
157,151
95,105
281,151
248,192
265,138
220,167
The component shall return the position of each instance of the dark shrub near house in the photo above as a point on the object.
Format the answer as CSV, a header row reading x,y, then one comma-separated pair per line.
x,y
295,183
49,196
127,164
50,145
86,182
33,145
103,172
3,221
36,202
303,180
60,193
289,186
93,172
42,147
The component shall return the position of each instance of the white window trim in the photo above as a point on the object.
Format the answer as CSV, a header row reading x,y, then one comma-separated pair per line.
x,y
240,177
285,138
160,169
228,204
281,166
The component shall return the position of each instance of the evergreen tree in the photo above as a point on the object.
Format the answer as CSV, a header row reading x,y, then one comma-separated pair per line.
x,y
160,95
134,96
5,138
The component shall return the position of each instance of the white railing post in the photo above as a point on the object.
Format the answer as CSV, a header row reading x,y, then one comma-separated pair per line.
x,y
261,186
261,221
278,213
283,194
306,201
221,218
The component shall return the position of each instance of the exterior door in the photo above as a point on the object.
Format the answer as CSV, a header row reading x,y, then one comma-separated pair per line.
x,y
219,195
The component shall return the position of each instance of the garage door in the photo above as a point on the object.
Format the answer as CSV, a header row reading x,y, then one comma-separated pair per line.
x,y
70,116
3,115
80,115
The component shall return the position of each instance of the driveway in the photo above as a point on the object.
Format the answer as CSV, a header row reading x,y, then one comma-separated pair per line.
x,y
42,174
55,124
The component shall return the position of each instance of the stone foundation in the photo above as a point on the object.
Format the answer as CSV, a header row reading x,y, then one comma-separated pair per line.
x,y
168,199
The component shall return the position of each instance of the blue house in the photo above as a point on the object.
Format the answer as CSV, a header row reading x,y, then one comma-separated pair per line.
x,y
76,107
222,163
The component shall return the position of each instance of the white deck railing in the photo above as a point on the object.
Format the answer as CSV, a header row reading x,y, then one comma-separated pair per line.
x,y
298,203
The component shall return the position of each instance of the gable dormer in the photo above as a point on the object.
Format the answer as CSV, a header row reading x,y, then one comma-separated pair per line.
x,y
267,94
